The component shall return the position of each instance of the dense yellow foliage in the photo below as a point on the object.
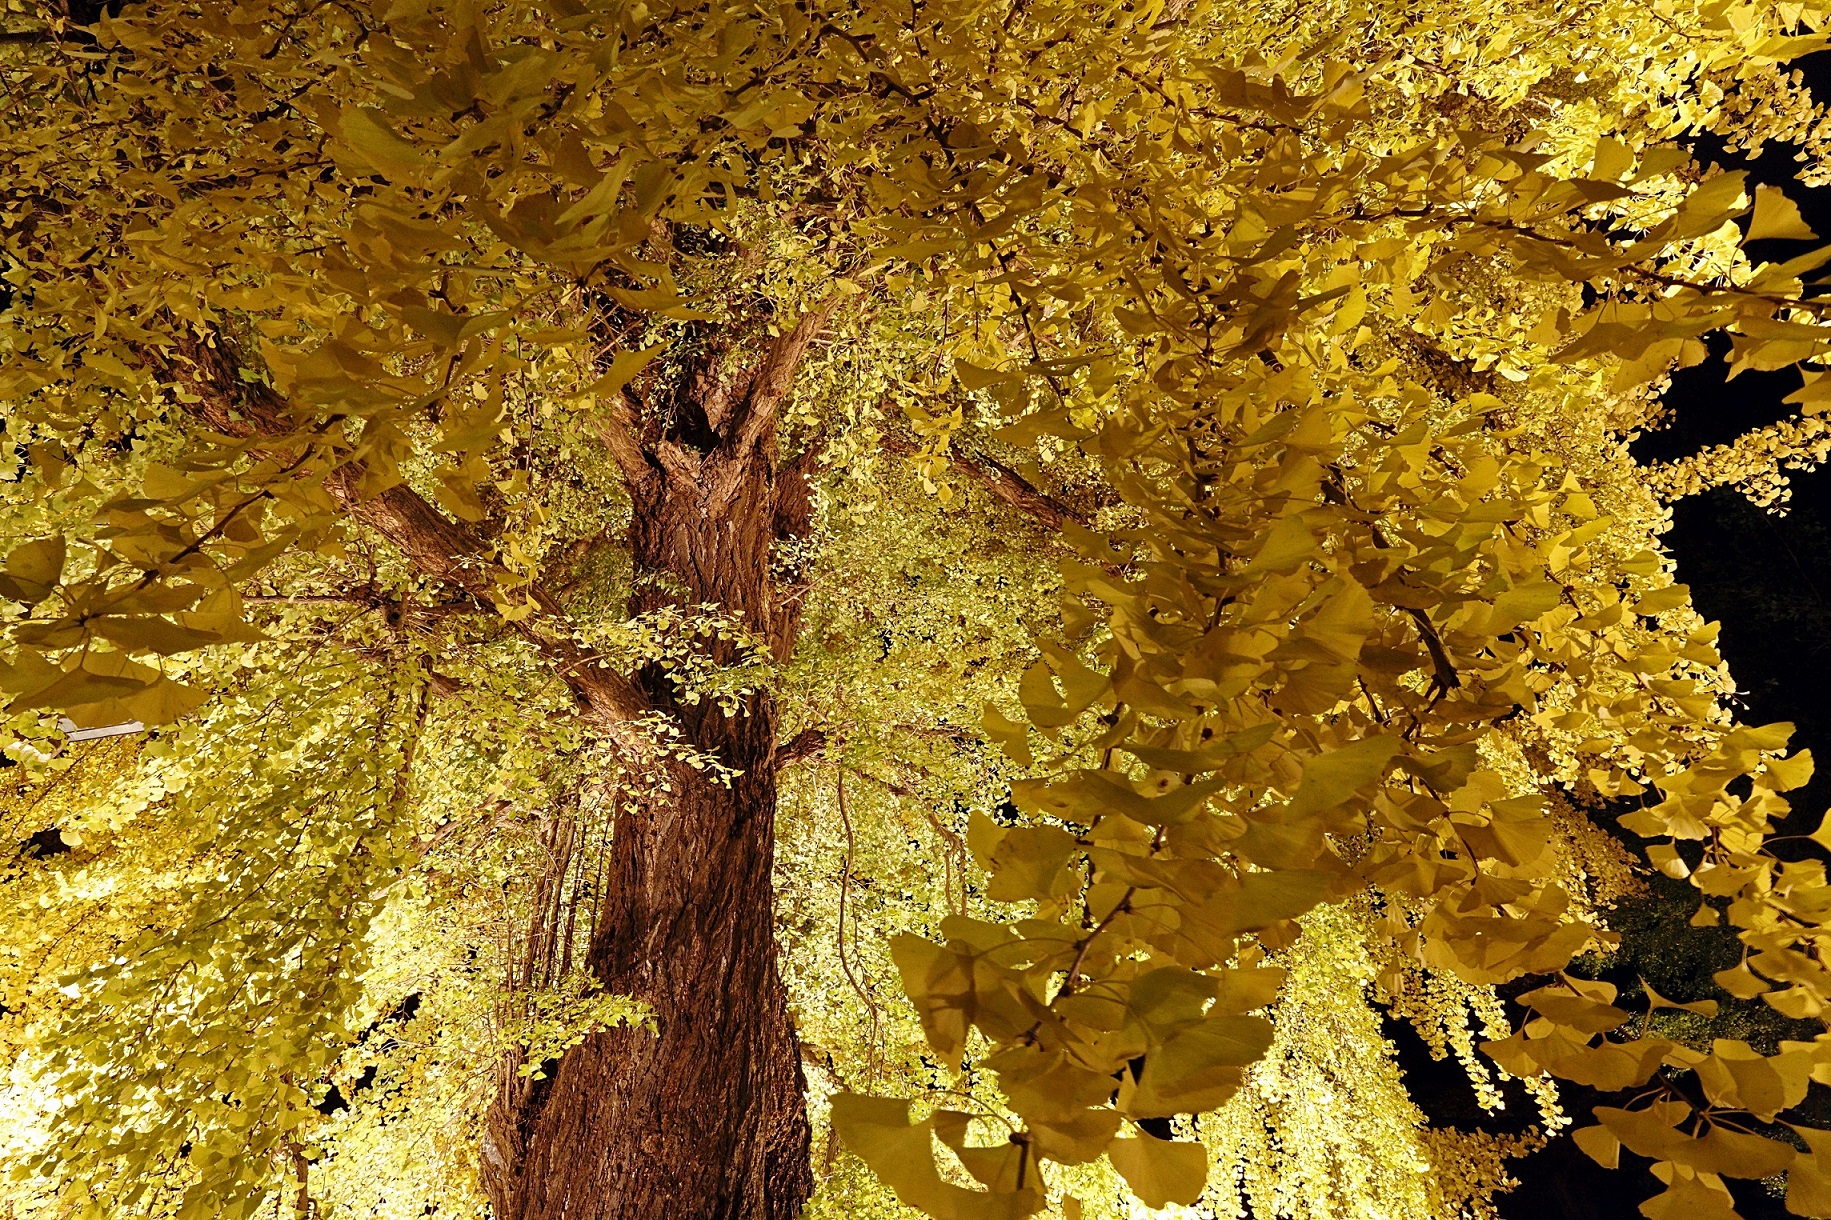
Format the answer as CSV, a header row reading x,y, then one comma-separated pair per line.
x,y
1324,328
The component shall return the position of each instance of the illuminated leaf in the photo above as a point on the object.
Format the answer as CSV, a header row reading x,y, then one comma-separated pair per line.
x,y
1777,216
1808,1182
1655,1001
1689,1199
1330,779
623,369
1031,862
1161,1172
377,143
1600,1145
32,570
899,1152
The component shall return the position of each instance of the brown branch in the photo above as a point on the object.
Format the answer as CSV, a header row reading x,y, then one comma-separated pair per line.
x,y
808,743
1013,489
445,550
756,412
1005,484
1086,942
622,436
900,791
442,686
1443,670
437,546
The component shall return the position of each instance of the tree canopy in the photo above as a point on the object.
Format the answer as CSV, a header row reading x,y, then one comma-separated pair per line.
x,y
769,609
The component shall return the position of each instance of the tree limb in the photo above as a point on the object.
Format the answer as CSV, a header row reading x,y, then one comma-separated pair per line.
x,y
808,743
756,412
1443,670
621,433
1005,484
437,546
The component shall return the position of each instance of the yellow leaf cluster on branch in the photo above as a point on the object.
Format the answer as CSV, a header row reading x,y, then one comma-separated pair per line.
x,y
1081,525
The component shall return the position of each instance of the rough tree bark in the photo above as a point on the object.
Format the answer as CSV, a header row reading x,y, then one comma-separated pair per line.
x,y
705,1119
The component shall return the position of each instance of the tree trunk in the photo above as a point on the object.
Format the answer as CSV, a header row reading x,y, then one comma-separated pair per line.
x,y
705,1119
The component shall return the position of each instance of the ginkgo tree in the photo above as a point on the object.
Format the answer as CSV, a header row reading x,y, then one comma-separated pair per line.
x,y
1116,513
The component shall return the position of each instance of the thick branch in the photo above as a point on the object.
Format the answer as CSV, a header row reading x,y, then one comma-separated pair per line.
x,y
445,550
808,743
621,433
437,546
1004,483
735,417
755,414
